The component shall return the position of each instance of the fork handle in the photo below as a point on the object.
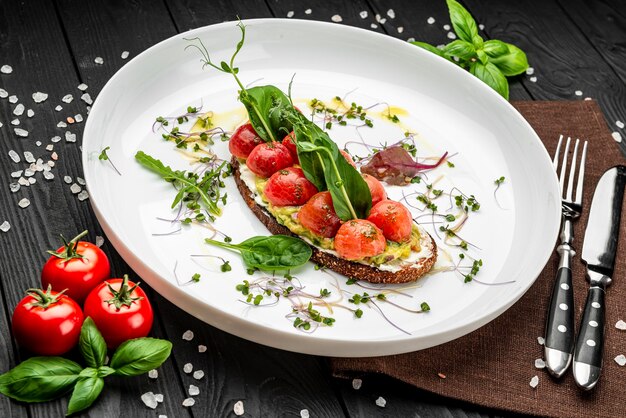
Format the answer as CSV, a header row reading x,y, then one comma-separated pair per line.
x,y
559,343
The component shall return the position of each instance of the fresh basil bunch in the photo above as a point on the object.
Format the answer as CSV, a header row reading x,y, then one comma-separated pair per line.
x,y
491,61
41,379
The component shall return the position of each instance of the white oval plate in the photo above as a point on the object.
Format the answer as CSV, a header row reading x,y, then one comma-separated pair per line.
x,y
448,108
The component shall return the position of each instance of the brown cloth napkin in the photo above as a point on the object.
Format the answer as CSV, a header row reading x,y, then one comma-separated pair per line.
x,y
493,365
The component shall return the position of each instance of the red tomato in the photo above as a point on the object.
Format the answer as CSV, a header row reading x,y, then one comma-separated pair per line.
x,y
47,323
291,146
289,187
359,238
393,218
267,158
121,311
243,141
348,158
77,266
318,215
376,189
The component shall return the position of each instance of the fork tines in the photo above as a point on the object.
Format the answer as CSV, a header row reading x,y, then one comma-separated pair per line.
x,y
562,175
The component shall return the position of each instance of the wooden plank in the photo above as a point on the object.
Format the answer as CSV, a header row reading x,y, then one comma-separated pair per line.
x,y
190,14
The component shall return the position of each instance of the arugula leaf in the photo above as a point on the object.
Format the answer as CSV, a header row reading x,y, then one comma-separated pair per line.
x,y
39,379
85,393
138,356
512,63
492,76
269,110
92,344
274,252
463,23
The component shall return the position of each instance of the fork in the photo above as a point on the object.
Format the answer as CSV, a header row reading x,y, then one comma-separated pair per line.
x,y
559,340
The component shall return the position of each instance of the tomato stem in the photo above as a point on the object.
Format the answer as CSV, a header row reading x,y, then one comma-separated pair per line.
x,y
122,297
44,299
69,251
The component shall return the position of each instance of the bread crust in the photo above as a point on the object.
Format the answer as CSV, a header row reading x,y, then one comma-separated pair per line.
x,y
409,273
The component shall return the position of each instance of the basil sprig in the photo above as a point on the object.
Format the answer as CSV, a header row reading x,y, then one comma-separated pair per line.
x,y
40,379
491,61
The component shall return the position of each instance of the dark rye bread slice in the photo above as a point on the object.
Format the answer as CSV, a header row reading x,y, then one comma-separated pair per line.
x,y
351,269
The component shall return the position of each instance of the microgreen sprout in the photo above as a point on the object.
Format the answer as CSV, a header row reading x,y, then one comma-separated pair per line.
x,y
498,182
105,157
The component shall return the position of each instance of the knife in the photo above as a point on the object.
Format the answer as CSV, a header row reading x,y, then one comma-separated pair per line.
x,y
599,248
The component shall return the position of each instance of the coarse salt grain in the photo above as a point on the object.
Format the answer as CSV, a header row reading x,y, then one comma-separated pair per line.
x,y
290,13
82,87
162,416
80,181
451,35
78,118
49,147
54,156
187,368
15,122
373,25
189,402
17,174
382,21
58,108
67,98
14,187
400,29
198,374
21,132
3,94
67,179
6,69
188,335
158,397
304,413
29,157
441,375
620,360
152,374
193,390
75,188
30,113
578,93
391,13
541,340
28,173
32,180
533,79
39,97
336,18
530,71
381,402
23,182
86,98
619,124
24,203
5,226
539,363
201,348
308,11
446,27
125,54
70,137
238,408
48,175
19,110
99,60
149,400
14,156
99,243
621,325
84,195
617,136
55,138
534,382
481,26
363,14
356,384
13,99
430,20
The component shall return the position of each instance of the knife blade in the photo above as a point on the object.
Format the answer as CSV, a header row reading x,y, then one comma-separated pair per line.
x,y
599,251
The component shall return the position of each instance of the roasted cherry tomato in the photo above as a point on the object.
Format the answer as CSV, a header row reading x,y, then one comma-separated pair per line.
x,y
348,158
243,141
376,189
77,266
289,187
267,158
359,238
121,311
47,323
393,218
318,215
291,146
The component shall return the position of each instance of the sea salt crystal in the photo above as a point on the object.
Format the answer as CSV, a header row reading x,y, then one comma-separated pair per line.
x,y
17,174
55,139
3,94
61,125
400,29
159,397
67,98
308,11
32,180
15,122
84,195
78,118
82,87
481,26
290,13
187,368
619,124
578,93
201,348
198,374
621,325
125,54
14,187
5,226
75,188
67,179
620,360
149,400
86,98
19,110
430,20
451,35
363,14
100,243
530,71
30,113
446,27
39,97
189,402
54,156
193,390
28,173
80,181
162,416
617,136
99,60
188,335
152,374
48,175
336,18
541,340
14,156
6,69
0,124
356,384
49,147
23,182
534,382
24,203
70,137
539,363
373,25
28,156
304,413
58,108
391,13
533,79
238,408
381,402
21,132
13,99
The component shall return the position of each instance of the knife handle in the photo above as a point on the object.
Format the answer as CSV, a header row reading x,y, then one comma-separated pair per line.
x,y
590,342
559,343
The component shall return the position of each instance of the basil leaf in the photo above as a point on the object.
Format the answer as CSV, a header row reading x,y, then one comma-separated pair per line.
x,y
460,48
482,56
495,48
274,252
40,379
431,48
463,23
85,393
104,371
140,355
513,63
92,344
492,76
269,110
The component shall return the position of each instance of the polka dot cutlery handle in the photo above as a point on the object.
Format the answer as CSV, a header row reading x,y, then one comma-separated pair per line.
x,y
559,343
590,341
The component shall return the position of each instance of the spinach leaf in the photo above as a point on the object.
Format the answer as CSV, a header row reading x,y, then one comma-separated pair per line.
x,y
274,252
85,393
138,356
269,110
92,344
39,379
512,63
492,76
463,23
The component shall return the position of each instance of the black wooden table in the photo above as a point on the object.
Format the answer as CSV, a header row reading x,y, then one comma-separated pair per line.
x,y
577,49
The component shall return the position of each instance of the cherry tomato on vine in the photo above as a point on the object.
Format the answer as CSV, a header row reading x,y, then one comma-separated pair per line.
x,y
121,311
77,266
47,323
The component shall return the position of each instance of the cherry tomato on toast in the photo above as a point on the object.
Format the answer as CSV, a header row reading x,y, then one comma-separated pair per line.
x,y
348,158
289,187
243,141
377,190
267,158
318,215
359,238
393,218
288,141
